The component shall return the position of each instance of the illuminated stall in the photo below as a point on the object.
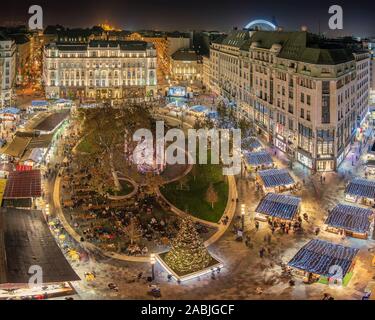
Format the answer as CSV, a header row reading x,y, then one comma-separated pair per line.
x,y
361,191
351,220
324,262
275,180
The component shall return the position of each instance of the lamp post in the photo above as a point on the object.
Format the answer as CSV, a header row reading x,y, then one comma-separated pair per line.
x,y
243,216
152,261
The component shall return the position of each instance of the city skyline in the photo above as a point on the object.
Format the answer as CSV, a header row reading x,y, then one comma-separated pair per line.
x,y
169,16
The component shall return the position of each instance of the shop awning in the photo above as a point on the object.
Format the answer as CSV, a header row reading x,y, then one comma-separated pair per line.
x,y
361,188
349,218
324,258
275,178
279,206
39,103
258,158
10,110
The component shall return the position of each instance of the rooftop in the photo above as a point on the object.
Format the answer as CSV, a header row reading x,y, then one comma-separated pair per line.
x,y
279,206
25,240
23,184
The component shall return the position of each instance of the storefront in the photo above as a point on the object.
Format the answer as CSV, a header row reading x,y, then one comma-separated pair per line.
x,y
306,161
325,165
280,144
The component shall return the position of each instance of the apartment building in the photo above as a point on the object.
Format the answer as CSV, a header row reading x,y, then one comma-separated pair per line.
x,y
304,94
7,69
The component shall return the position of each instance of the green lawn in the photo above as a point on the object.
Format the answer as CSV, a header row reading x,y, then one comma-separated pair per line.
x,y
193,196
85,146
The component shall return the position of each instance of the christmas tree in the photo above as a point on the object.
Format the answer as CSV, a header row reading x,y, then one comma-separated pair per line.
x,y
188,253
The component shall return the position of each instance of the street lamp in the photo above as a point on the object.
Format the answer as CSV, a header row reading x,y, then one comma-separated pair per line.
x,y
152,261
243,216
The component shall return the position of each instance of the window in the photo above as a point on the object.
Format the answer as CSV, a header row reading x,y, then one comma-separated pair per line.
x,y
302,113
308,100
302,97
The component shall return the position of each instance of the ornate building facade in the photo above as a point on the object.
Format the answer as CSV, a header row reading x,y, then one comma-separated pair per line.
x,y
7,69
100,70
305,95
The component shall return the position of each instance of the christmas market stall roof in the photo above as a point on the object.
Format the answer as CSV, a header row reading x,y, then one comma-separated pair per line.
x,y
52,121
10,110
250,143
25,240
258,158
275,177
350,218
23,184
319,257
361,188
279,206
39,103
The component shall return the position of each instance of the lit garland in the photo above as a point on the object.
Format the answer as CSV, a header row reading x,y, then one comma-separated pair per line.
x,y
188,253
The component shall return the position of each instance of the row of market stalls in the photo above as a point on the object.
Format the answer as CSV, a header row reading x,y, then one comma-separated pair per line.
x,y
44,105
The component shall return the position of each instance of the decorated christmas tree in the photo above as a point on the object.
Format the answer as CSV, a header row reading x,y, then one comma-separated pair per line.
x,y
188,253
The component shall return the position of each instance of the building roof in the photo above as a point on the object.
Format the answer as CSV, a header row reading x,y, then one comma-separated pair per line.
x,y
23,184
361,188
279,206
185,55
323,257
303,46
349,218
258,158
25,240
236,38
16,148
275,177
51,121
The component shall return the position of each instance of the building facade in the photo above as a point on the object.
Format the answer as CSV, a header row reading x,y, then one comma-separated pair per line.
x,y
7,70
186,66
304,95
100,70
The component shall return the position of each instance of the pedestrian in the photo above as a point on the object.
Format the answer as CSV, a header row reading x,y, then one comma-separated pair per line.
x,y
257,225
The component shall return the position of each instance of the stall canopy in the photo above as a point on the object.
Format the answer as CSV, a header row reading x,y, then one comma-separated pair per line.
x,y
251,143
199,109
25,240
350,218
361,188
23,184
10,110
275,178
323,258
258,158
279,206
39,103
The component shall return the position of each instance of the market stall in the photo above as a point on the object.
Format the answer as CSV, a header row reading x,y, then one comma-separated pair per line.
x,y
275,180
361,191
258,160
323,261
351,220
251,144
278,206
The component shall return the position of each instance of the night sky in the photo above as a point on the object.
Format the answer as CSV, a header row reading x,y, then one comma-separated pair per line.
x,y
359,15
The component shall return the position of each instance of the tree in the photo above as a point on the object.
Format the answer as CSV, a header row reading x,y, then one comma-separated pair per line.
x,y
188,253
211,195
108,131
132,230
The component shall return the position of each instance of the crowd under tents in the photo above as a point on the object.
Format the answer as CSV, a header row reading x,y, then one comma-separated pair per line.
x,y
361,190
22,188
278,206
351,220
260,159
275,180
25,241
323,261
